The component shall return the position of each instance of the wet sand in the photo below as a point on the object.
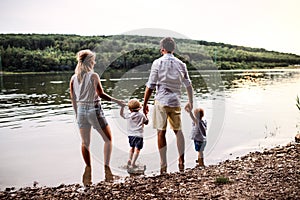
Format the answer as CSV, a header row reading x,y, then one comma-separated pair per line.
x,y
271,174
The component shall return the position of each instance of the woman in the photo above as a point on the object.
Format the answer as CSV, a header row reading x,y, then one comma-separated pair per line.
x,y
86,91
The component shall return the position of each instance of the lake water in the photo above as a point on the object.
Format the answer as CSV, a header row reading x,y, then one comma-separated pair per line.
x,y
246,110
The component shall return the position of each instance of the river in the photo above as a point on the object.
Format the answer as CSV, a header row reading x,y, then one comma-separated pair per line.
x,y
246,110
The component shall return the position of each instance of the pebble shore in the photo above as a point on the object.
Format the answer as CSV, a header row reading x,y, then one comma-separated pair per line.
x,y
271,174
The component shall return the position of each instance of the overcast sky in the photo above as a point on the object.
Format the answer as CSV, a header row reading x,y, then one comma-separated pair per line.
x,y
269,24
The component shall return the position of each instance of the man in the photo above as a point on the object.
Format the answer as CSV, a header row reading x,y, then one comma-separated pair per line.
x,y
167,76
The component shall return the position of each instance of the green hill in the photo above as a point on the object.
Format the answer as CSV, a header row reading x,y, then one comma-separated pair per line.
x,y
55,52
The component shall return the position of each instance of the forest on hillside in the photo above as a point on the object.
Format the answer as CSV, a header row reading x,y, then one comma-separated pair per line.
x,y
56,52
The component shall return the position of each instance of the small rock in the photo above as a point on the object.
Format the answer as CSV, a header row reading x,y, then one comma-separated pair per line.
x,y
35,183
280,155
297,138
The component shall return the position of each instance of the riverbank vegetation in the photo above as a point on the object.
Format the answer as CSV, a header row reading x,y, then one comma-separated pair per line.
x,y
56,52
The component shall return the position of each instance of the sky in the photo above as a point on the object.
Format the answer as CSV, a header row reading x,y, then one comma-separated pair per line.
x,y
270,24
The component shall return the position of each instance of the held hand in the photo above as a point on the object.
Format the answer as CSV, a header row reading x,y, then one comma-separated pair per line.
x,y
146,110
188,107
147,121
121,103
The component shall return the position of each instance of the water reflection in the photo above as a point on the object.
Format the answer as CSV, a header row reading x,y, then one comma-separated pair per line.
x,y
33,97
40,96
253,78
259,104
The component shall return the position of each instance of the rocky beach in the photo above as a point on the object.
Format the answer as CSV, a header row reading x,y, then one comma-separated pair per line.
x,y
271,174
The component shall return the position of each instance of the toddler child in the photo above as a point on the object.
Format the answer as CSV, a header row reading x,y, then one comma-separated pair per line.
x,y
135,129
199,127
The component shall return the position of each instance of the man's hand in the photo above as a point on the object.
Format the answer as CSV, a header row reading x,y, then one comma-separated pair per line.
x,y
147,95
188,107
146,109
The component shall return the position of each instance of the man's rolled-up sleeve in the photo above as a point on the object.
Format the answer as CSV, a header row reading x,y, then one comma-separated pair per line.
x,y
153,77
186,79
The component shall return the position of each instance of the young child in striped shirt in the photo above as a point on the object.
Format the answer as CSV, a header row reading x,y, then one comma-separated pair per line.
x,y
199,128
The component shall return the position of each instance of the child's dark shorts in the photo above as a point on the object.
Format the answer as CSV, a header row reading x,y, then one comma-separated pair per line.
x,y
136,142
199,145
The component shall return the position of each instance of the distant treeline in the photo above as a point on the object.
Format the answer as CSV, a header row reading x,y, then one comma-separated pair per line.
x,y
54,52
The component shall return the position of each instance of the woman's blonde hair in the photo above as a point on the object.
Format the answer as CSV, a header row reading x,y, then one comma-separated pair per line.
x,y
85,62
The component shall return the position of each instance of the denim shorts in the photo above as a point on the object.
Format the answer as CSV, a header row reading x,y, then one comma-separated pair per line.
x,y
89,115
199,145
136,142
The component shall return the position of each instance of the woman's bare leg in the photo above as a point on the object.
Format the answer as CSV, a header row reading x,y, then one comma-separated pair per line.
x,y
85,145
106,135
85,150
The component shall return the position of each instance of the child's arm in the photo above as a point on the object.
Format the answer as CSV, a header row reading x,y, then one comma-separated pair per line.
x,y
122,111
193,117
205,124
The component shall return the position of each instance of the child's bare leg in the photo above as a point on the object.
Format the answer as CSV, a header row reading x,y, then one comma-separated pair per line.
x,y
200,154
135,156
200,159
131,151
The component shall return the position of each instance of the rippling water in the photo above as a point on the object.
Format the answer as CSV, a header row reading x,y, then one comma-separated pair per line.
x,y
246,110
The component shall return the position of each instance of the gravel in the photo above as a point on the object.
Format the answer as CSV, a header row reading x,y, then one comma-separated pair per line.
x,y
271,174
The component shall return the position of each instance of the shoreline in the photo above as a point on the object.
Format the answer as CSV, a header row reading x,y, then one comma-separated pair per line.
x,y
290,67
271,174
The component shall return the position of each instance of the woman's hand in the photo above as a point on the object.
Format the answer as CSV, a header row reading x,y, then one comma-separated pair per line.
x,y
121,103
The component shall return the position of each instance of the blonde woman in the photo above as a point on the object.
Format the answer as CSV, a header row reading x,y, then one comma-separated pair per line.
x,y
86,91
